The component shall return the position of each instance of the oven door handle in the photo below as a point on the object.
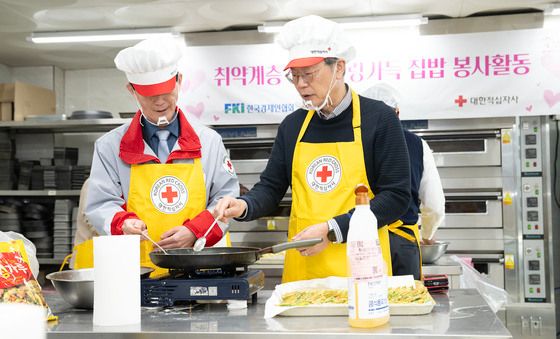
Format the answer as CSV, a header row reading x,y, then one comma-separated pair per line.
x,y
470,196
459,135
488,260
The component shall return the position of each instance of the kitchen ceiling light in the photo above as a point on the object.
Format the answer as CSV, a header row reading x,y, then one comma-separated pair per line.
x,y
361,22
100,35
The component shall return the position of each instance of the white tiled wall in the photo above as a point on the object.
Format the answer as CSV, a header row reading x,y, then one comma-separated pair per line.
x,y
5,74
46,76
59,89
97,89
91,89
38,76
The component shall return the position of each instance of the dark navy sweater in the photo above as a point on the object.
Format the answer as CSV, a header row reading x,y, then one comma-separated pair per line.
x,y
416,156
385,155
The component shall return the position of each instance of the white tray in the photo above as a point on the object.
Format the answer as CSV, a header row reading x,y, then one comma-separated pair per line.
x,y
342,310
316,310
412,309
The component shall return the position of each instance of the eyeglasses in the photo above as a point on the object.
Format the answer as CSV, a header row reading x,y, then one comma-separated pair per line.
x,y
307,77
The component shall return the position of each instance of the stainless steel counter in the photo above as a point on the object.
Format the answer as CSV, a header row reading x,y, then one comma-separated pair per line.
x,y
464,314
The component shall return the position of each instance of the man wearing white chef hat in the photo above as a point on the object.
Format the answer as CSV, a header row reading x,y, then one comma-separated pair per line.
x,y
323,151
427,195
160,172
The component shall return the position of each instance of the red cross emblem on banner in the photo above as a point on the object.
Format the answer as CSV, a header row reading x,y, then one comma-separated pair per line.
x,y
460,101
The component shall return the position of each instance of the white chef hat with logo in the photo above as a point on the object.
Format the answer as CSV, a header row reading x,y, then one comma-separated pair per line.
x,y
311,39
151,66
383,92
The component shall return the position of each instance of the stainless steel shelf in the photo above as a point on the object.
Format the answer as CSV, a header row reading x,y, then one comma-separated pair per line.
x,y
73,126
43,193
50,261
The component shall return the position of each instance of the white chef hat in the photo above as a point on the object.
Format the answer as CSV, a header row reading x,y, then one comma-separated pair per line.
x,y
311,39
383,92
151,65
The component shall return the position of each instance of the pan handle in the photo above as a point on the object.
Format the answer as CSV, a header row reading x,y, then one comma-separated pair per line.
x,y
291,244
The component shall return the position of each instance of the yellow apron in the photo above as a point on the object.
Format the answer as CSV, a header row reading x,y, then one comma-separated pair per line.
x,y
324,176
395,228
164,196
186,177
83,256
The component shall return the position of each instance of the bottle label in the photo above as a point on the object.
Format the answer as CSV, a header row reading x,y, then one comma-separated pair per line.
x,y
365,259
367,299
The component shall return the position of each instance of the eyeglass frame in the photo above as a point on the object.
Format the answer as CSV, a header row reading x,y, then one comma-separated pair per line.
x,y
309,77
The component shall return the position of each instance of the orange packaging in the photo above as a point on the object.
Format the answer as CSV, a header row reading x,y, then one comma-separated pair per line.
x,y
17,284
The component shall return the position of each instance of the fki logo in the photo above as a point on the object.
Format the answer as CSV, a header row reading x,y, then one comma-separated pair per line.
x,y
234,108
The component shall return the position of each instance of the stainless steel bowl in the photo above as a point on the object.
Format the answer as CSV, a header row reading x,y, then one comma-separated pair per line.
x,y
431,253
76,286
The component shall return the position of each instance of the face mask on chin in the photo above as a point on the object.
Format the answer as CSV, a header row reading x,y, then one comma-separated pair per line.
x,y
308,104
162,121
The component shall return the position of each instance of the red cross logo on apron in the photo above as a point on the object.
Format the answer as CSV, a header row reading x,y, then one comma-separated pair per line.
x,y
324,173
169,194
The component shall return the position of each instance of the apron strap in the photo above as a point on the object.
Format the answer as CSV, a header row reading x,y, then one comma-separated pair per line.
x,y
356,115
65,261
394,227
305,124
356,119
383,234
414,229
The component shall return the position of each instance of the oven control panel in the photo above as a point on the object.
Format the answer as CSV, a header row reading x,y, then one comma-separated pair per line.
x,y
531,159
532,209
533,261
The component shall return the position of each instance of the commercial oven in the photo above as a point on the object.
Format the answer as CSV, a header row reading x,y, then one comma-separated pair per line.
x,y
502,208
472,160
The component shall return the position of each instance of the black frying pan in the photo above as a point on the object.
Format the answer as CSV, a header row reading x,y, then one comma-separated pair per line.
x,y
220,257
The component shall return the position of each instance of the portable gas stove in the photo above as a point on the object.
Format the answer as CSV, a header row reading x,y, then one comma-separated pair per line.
x,y
213,284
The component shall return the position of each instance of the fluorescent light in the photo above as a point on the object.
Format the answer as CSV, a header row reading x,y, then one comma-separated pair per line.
x,y
100,35
360,22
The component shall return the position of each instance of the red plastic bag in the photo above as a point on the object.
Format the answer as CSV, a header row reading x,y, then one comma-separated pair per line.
x,y
17,283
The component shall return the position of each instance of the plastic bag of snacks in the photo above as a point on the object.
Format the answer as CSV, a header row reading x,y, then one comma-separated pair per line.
x,y
30,249
17,283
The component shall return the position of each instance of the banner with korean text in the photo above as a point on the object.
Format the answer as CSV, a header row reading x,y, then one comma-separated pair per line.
x,y
491,74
